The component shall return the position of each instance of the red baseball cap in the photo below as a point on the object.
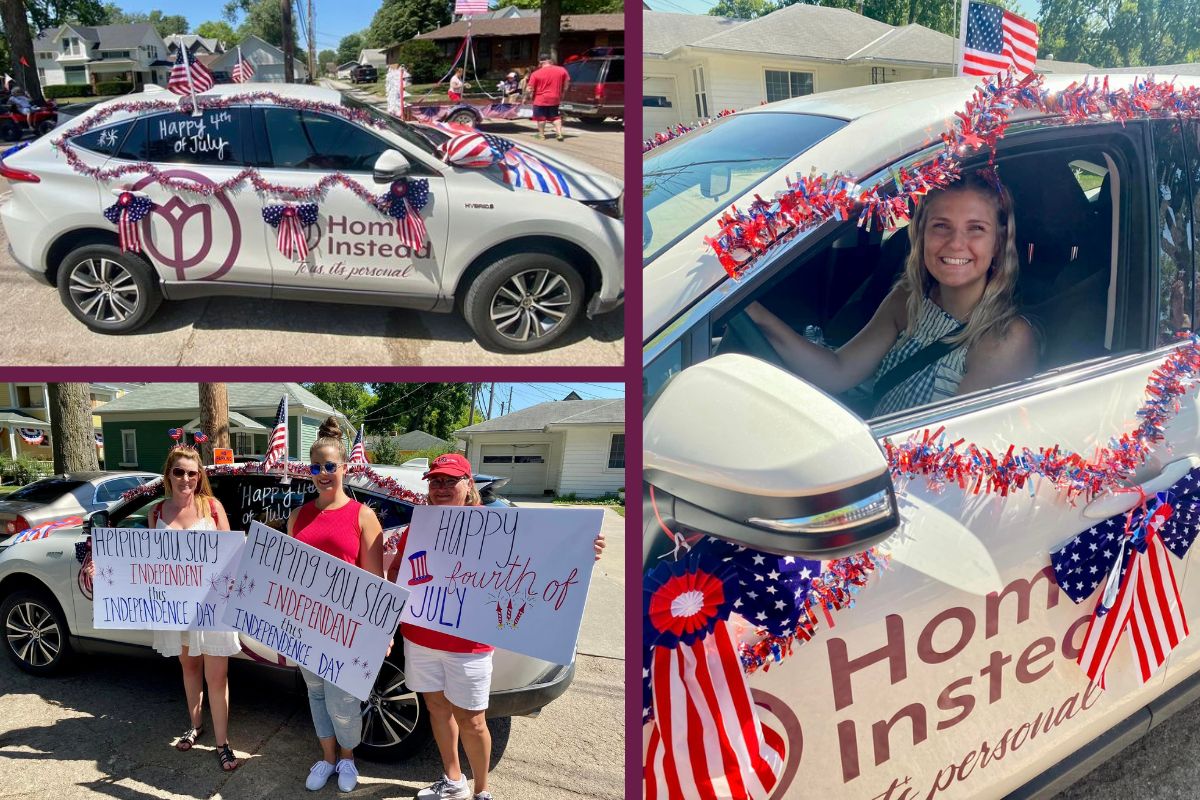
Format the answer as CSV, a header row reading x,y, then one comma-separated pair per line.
x,y
451,464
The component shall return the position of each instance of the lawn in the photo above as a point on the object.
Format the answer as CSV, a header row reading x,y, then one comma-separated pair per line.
x,y
608,500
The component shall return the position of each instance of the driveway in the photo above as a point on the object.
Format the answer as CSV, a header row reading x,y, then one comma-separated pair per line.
x,y
107,728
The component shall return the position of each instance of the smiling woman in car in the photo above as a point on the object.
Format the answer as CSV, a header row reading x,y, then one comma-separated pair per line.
x,y
950,325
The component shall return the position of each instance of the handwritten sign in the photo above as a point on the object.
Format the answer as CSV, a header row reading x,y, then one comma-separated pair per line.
x,y
163,579
509,577
271,502
197,135
332,618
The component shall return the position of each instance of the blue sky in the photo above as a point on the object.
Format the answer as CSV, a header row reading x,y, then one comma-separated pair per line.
x,y
530,394
1026,8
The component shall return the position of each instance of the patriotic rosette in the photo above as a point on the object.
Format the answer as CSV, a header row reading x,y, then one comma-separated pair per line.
x,y
292,221
1126,555
403,202
127,214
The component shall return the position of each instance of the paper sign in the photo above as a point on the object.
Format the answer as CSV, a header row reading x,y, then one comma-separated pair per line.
x,y
330,617
222,455
509,577
163,579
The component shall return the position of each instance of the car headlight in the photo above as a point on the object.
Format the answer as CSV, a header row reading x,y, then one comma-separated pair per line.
x,y
614,208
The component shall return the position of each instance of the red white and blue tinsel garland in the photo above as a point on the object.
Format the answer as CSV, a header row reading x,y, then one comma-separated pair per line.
x,y
403,202
126,214
670,134
292,222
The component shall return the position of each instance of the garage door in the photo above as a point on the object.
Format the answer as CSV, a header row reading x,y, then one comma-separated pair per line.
x,y
660,105
524,464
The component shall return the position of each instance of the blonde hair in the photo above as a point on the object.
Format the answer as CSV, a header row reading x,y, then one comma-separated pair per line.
x,y
203,489
473,497
329,435
997,307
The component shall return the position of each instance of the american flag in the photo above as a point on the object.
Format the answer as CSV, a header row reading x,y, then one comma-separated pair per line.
x,y
243,70
527,171
474,149
469,8
187,76
42,531
997,40
358,453
277,448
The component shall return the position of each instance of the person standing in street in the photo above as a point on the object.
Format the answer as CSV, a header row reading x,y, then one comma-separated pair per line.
x,y
457,85
547,84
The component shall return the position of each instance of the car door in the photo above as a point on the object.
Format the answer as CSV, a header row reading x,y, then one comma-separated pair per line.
x,y
354,247
198,237
953,660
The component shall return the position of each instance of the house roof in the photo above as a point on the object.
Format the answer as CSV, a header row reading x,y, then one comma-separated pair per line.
x,y
10,416
801,30
526,26
238,423
190,39
413,440
910,43
186,397
555,412
106,37
662,31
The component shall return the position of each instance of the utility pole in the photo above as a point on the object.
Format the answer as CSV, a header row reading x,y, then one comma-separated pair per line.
x,y
474,392
312,42
509,400
491,397
289,41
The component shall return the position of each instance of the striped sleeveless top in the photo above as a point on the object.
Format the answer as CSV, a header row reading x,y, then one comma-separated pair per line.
x,y
937,381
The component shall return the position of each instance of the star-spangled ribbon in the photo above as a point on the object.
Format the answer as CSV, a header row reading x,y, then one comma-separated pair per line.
x,y
126,213
403,202
291,220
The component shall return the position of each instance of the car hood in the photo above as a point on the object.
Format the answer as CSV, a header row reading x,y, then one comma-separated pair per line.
x,y
587,182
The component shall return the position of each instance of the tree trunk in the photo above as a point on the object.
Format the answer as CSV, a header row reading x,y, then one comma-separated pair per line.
x,y
214,418
72,437
551,22
20,45
289,41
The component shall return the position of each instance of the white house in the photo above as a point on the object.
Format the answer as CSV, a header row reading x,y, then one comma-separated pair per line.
x,y
561,447
83,55
196,45
697,65
376,58
267,60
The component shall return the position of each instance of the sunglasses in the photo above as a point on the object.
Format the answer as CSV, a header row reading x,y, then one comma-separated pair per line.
x,y
180,472
444,483
329,467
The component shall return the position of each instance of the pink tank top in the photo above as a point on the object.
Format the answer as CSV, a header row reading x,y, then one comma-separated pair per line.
x,y
335,531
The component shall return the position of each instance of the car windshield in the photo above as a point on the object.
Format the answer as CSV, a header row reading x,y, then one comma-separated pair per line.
x,y
686,183
45,490
401,129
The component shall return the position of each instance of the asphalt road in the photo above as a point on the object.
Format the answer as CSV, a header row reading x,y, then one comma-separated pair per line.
x,y
106,728
229,331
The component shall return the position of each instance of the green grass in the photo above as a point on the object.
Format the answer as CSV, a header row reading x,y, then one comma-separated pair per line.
x,y
609,500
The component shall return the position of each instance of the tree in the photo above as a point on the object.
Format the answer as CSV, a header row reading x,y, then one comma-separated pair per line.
x,y
325,58
431,407
263,18
214,419
743,9
45,14
20,42
352,399
72,437
165,24
423,59
1123,33
551,23
349,48
217,29
401,20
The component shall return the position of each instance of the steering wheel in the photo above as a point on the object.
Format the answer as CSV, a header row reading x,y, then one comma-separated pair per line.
x,y
742,335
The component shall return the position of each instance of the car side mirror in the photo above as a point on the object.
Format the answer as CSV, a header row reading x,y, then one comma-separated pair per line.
x,y
737,448
715,181
97,519
390,166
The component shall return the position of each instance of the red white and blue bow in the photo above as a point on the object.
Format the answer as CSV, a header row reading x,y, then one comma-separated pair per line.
x,y
292,220
126,214
1127,556
519,168
403,202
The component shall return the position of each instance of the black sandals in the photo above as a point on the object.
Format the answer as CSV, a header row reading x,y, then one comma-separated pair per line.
x,y
188,739
229,761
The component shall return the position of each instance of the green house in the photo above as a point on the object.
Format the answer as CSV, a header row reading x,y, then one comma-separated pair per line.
x,y
136,425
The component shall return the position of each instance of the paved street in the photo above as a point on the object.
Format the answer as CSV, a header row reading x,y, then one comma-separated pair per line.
x,y
106,728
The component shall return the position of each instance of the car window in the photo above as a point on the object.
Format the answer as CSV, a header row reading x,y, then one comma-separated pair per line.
x,y
216,138
587,71
112,490
46,490
1175,243
616,71
689,181
417,138
107,140
391,513
308,140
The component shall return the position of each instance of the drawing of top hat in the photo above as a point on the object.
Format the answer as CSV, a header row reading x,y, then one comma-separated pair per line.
x,y
420,571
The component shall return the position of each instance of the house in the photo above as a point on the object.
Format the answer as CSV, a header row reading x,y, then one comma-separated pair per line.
x,y
407,445
84,55
559,447
697,65
196,45
512,41
25,409
343,70
266,58
376,58
135,425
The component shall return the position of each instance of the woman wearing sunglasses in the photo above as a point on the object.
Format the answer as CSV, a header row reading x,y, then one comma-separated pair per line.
x,y
188,504
344,528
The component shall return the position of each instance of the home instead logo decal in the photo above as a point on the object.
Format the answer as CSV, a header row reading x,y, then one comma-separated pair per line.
x,y
186,229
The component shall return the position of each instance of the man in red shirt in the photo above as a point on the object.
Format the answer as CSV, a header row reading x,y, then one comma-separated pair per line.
x,y
548,83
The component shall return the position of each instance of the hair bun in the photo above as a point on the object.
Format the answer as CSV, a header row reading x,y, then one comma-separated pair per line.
x,y
330,429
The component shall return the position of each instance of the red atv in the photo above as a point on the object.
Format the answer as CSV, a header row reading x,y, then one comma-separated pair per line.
x,y
14,124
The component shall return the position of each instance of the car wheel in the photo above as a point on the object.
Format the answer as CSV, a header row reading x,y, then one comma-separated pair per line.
x,y
395,720
592,122
35,634
108,290
524,301
45,126
462,118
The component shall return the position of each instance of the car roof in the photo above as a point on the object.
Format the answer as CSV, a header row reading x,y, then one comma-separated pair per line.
x,y
909,114
95,475
297,91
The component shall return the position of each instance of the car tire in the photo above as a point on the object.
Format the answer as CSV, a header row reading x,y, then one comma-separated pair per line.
x,y
592,122
45,126
462,118
395,719
130,299
524,302
36,636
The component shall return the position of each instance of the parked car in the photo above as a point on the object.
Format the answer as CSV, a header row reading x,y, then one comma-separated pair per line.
x,y
532,264
40,589
417,463
65,495
364,73
413,479
597,89
966,641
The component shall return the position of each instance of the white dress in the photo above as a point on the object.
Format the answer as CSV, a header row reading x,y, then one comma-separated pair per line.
x,y
209,643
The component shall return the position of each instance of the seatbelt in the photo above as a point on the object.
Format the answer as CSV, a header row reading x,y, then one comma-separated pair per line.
x,y
915,363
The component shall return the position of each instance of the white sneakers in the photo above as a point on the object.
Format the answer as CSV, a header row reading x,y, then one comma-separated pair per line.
x,y
445,789
319,775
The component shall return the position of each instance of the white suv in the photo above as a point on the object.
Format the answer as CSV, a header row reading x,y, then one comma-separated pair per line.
x,y
520,264
953,675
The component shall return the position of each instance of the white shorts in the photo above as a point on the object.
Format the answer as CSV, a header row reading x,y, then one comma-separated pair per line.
x,y
465,678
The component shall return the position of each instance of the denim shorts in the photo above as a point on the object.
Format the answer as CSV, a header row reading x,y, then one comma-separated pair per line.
x,y
334,712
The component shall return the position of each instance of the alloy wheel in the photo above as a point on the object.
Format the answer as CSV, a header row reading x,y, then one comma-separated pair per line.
x,y
33,634
530,304
104,290
392,712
